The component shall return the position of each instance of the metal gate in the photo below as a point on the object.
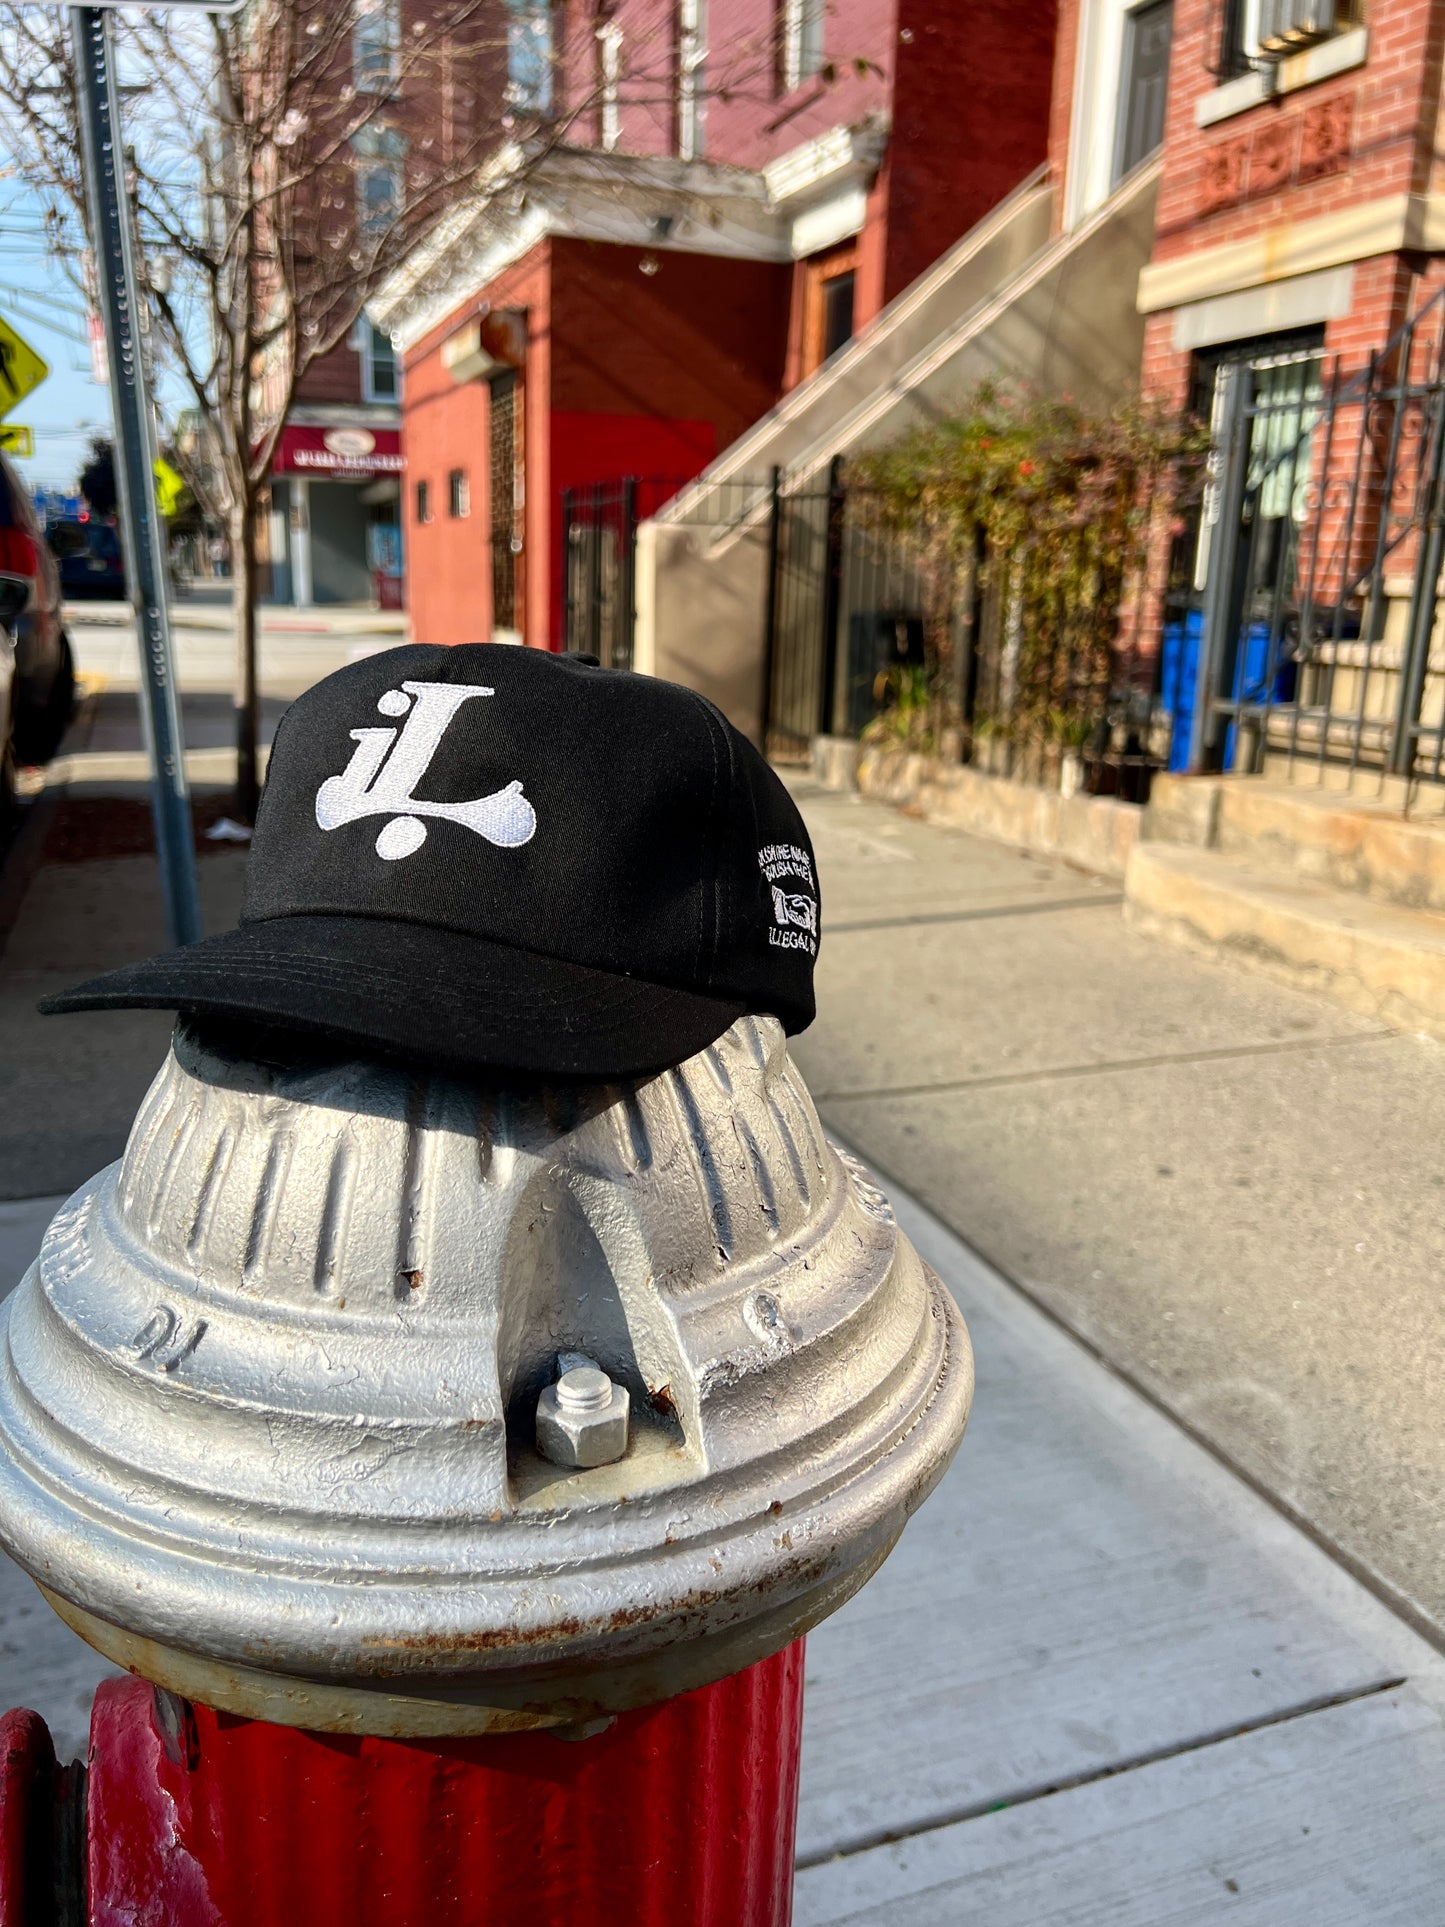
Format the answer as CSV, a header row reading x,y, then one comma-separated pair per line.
x,y
1318,563
844,610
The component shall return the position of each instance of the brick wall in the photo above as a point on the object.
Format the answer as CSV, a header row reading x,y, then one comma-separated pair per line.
x,y
970,121
627,373
1362,136
446,425
334,378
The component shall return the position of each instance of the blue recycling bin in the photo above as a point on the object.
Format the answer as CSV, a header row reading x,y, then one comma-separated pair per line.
x,y
1262,673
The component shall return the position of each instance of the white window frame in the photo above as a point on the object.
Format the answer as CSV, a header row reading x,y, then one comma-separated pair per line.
x,y
376,56
609,74
1094,121
803,26
691,63
364,338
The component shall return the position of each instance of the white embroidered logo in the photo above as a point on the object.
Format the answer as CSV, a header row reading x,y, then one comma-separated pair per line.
x,y
795,912
380,780
798,910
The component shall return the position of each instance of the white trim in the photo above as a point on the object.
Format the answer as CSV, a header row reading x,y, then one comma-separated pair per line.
x,y
1304,69
1297,303
830,222
298,519
632,200
691,62
609,62
1093,119
1386,226
818,167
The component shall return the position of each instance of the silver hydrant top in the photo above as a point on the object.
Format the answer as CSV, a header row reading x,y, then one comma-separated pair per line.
x,y
375,1399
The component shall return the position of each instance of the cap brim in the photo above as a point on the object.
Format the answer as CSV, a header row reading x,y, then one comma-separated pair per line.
x,y
432,996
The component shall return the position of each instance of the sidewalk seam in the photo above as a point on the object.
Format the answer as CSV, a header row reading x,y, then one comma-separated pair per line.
x,y
1001,1078
864,1843
1399,1604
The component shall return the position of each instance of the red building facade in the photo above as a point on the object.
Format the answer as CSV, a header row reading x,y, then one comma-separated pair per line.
x,y
739,193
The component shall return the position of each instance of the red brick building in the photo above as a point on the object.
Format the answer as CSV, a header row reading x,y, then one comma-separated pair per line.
x,y
741,190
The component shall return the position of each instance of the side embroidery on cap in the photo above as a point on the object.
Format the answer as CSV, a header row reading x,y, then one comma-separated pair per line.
x,y
795,912
380,779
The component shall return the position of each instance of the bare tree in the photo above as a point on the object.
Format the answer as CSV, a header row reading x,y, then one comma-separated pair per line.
x,y
284,161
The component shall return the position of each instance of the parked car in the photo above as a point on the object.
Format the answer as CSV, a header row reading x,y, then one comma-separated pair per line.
x,y
90,559
37,670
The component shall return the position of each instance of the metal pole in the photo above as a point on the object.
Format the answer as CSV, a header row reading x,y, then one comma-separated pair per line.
x,y
770,612
102,157
1220,626
832,594
1424,596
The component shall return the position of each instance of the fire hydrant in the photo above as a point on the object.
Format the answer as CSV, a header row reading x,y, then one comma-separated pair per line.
x,y
457,1470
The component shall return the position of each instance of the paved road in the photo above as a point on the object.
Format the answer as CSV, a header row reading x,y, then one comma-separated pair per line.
x,y
1233,1190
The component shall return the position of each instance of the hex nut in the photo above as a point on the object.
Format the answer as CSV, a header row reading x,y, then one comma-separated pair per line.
x,y
582,1419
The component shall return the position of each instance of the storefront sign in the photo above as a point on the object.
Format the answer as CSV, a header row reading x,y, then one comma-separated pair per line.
x,y
343,454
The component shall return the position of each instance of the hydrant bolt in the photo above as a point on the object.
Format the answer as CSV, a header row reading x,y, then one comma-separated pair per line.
x,y
582,1419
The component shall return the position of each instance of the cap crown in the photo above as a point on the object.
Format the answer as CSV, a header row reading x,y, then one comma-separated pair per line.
x,y
592,816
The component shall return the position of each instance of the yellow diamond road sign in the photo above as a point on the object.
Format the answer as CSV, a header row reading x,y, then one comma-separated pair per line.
x,y
21,369
15,440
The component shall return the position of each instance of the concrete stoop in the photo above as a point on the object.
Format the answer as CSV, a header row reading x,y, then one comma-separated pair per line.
x,y
1321,890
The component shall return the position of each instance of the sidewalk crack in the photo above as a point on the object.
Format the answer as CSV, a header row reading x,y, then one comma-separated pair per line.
x,y
1154,1756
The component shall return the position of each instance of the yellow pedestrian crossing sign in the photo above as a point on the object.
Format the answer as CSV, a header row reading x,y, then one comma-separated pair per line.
x,y
21,369
15,440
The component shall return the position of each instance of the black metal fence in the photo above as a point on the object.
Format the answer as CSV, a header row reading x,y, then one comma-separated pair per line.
x,y
1311,638
861,614
866,616
599,563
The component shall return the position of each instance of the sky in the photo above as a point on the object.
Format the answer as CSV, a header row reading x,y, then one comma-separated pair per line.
x,y
42,305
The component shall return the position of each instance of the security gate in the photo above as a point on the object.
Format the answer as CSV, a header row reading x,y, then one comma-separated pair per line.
x,y
1318,562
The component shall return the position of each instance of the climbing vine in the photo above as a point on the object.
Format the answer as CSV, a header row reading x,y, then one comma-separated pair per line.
x,y
1049,508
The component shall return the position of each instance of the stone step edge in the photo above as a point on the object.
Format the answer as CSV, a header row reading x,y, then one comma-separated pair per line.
x,y
1375,958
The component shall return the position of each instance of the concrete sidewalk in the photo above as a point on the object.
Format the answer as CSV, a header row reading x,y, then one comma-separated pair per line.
x,y
1101,1679
1232,1190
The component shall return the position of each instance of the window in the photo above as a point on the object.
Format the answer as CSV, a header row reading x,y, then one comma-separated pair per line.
x,y
609,76
1264,30
380,375
505,489
802,42
837,313
376,46
459,494
1143,84
376,200
691,56
829,282
423,501
529,56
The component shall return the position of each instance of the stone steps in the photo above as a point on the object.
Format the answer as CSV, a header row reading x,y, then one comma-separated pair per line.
x,y
1328,891
1377,957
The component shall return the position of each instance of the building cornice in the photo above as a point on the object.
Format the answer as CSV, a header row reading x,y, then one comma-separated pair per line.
x,y
650,201
819,168
1385,226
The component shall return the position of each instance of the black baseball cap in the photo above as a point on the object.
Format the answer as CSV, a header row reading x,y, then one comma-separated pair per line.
x,y
491,857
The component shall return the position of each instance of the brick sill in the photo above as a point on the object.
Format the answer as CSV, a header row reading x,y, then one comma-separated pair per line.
x,y
1305,69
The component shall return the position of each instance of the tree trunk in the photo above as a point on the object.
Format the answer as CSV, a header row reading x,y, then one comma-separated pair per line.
x,y
248,699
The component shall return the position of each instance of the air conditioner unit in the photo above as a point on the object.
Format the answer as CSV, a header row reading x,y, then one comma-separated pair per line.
x,y
1285,26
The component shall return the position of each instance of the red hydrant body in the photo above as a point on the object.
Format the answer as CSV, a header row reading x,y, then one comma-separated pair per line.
x,y
681,1813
